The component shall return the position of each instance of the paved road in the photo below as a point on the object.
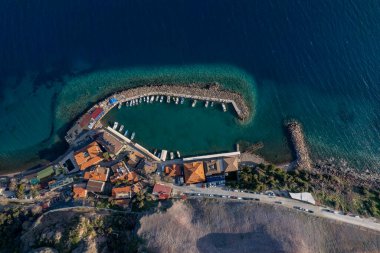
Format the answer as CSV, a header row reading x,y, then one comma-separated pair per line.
x,y
285,202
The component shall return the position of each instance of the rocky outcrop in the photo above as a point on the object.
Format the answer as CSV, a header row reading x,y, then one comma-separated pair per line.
x,y
299,145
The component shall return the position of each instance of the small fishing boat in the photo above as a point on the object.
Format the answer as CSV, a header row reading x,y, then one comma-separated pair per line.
x,y
115,125
157,97
144,99
151,99
182,100
168,99
176,101
171,155
121,128
194,103
133,135
127,104
155,152
126,132
206,104
161,99
212,104
119,106
224,107
178,154
140,100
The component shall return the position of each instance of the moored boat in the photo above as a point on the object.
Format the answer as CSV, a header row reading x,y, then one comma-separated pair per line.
x,y
171,155
121,128
133,135
194,103
178,154
168,99
157,97
119,106
126,132
206,104
161,99
115,125
212,104
224,107
182,100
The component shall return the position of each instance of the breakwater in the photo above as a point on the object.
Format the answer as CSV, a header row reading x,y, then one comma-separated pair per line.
x,y
299,145
210,92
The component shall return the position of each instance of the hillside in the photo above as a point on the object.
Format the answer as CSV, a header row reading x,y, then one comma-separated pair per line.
x,y
226,226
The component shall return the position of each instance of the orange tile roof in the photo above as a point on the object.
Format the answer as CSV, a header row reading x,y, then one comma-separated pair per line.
x,y
133,177
117,191
98,174
79,192
88,156
194,172
173,170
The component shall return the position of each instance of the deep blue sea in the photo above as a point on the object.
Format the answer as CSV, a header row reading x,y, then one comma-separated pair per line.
x,y
317,61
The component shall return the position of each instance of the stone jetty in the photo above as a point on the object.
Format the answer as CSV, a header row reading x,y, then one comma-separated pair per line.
x,y
211,92
299,145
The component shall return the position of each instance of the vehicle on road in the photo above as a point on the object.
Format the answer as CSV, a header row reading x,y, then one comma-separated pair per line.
x,y
278,202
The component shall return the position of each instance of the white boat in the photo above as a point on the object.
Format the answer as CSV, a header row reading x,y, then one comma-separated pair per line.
x,y
126,104
151,99
140,100
121,128
171,155
206,104
178,154
163,155
144,99
133,135
119,106
137,101
194,103
212,104
176,101
161,99
126,132
224,107
182,100
157,97
115,125
155,152
168,99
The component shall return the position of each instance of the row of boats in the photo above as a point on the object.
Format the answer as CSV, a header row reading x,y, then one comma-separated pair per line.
x,y
164,153
177,100
116,125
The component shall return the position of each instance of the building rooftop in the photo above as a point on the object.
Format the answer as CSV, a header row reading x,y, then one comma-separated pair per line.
x,y
230,164
110,142
194,172
79,192
163,191
98,174
213,167
88,156
95,186
134,158
120,171
173,170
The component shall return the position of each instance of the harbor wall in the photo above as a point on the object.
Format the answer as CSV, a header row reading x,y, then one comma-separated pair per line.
x,y
211,92
296,136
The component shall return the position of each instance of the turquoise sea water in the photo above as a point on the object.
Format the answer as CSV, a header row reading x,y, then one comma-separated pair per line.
x,y
315,61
